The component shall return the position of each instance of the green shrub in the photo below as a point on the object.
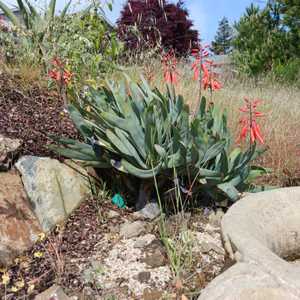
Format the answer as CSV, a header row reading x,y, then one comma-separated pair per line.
x,y
144,133
88,43
288,72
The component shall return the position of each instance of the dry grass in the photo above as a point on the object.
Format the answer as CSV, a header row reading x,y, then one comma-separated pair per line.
x,y
280,127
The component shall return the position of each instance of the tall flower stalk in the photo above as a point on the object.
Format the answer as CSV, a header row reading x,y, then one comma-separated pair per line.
x,y
249,121
169,63
62,78
203,72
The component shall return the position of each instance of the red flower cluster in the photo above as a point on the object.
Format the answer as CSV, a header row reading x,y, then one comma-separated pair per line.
x,y
249,123
209,80
208,76
59,73
169,63
199,54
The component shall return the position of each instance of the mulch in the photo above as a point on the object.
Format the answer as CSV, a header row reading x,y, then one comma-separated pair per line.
x,y
31,114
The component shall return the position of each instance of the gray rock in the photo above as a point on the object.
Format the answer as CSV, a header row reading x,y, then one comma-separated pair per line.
x,y
150,211
155,259
8,151
54,189
205,247
112,214
144,276
54,293
259,231
130,230
19,228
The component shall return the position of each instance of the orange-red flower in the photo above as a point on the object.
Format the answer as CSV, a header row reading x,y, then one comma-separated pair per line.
x,y
169,63
59,73
209,78
249,122
199,54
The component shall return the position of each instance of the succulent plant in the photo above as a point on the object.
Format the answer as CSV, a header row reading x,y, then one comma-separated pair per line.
x,y
144,133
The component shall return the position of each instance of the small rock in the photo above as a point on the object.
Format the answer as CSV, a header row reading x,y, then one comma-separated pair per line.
x,y
144,276
155,259
150,211
217,249
8,151
130,230
19,227
140,244
205,247
54,292
215,217
112,214
152,295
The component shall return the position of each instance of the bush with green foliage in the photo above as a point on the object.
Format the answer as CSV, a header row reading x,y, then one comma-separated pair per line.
x,y
88,44
260,42
267,39
85,41
144,133
34,27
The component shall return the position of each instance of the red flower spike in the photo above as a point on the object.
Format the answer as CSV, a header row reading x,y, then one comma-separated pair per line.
x,y
169,63
249,123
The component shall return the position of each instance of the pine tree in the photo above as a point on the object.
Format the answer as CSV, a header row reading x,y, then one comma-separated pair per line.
x,y
153,22
223,38
260,42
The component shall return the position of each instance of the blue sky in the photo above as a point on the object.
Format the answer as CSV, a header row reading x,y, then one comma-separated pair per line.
x,y
204,13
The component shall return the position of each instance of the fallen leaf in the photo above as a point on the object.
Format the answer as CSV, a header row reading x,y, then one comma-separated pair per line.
x,y
14,289
30,288
38,254
41,236
20,284
5,279
183,297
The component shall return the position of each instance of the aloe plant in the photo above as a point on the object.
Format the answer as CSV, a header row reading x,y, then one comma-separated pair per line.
x,y
145,133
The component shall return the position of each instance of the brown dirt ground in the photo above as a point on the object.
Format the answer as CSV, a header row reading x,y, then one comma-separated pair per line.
x,y
31,114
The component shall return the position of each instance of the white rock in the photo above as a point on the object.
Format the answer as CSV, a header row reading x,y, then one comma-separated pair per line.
x,y
259,231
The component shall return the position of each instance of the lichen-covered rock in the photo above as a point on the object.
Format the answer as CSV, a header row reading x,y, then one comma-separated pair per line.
x,y
19,227
54,188
259,232
8,151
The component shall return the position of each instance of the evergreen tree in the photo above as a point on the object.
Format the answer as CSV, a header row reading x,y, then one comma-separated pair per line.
x,y
290,14
156,22
261,42
223,38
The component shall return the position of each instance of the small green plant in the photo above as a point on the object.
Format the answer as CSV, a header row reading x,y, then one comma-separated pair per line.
x,y
87,43
34,27
144,133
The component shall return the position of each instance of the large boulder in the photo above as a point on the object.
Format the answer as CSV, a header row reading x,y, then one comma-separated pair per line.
x,y
19,227
9,149
260,233
54,188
